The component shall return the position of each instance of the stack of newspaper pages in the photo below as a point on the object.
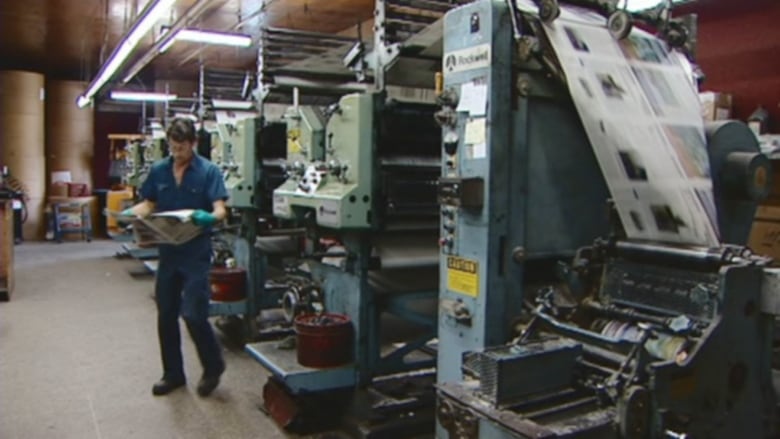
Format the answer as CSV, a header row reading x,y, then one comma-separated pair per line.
x,y
169,227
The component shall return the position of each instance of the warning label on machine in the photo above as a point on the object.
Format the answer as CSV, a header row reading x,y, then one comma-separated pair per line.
x,y
293,141
463,276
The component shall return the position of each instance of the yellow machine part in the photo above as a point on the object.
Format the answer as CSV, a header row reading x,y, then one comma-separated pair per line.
x,y
117,201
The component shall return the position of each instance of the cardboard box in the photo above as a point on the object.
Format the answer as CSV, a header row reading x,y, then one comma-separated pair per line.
x,y
58,189
69,220
715,105
78,190
774,193
91,203
765,239
767,213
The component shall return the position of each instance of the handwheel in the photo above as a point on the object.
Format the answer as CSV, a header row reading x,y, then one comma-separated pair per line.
x,y
620,24
549,10
633,412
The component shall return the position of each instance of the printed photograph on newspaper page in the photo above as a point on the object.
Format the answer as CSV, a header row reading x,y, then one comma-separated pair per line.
x,y
642,116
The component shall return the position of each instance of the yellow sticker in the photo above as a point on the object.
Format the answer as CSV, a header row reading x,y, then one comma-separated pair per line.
x,y
463,276
293,141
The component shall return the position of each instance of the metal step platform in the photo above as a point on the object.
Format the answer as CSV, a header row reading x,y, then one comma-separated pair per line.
x,y
227,308
283,364
140,253
151,265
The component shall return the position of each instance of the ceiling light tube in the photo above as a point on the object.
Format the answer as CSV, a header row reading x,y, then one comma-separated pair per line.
x,y
189,116
167,45
141,96
232,104
193,13
211,37
153,12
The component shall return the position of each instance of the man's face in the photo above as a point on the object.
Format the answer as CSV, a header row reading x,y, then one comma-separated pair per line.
x,y
181,151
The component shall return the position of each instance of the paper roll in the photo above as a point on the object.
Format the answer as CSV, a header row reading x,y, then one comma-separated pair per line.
x,y
69,131
35,227
22,140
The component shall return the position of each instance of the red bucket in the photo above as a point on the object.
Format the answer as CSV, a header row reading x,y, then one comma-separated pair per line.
x,y
227,284
324,340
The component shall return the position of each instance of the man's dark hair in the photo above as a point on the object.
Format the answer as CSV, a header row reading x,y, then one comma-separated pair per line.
x,y
181,130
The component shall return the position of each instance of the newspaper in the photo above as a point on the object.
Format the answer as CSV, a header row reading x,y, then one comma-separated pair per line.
x,y
640,109
168,227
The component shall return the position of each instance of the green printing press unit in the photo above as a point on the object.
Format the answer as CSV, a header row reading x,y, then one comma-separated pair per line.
x,y
486,289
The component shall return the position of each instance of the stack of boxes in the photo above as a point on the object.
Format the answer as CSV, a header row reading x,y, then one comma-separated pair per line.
x,y
715,105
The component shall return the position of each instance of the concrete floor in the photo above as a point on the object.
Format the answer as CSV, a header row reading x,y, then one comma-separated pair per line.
x,y
79,353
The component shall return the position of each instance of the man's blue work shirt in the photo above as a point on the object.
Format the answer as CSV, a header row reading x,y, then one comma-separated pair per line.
x,y
201,185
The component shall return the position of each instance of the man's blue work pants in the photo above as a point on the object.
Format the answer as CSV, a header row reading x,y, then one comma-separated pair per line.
x,y
182,288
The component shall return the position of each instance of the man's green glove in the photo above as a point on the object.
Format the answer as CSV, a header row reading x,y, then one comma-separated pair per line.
x,y
203,218
128,212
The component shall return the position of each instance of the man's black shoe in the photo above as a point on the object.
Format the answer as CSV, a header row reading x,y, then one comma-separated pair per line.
x,y
208,383
164,386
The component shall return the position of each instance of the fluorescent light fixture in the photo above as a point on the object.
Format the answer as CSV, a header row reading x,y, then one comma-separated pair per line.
x,y
231,104
211,37
165,34
189,116
141,96
167,45
208,37
151,14
640,5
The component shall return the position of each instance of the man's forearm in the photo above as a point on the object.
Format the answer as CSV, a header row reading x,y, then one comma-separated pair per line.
x,y
220,212
143,209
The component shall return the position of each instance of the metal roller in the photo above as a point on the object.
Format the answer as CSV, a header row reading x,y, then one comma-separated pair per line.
x,y
401,281
741,177
278,245
406,250
739,168
678,255
663,346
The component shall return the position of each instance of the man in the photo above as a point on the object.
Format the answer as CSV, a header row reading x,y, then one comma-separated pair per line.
x,y
185,181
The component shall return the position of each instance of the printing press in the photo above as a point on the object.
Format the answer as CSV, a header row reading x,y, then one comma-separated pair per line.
x,y
362,178
553,321
256,246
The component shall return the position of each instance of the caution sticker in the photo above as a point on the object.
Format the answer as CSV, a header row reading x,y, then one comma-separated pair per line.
x,y
293,141
463,276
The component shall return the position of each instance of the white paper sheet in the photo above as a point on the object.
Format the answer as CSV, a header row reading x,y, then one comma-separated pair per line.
x,y
475,131
233,117
61,177
473,99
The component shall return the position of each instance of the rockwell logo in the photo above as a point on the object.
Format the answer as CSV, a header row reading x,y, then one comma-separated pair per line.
x,y
467,59
328,211
450,62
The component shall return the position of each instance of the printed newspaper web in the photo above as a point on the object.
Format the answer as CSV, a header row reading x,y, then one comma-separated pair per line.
x,y
642,115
